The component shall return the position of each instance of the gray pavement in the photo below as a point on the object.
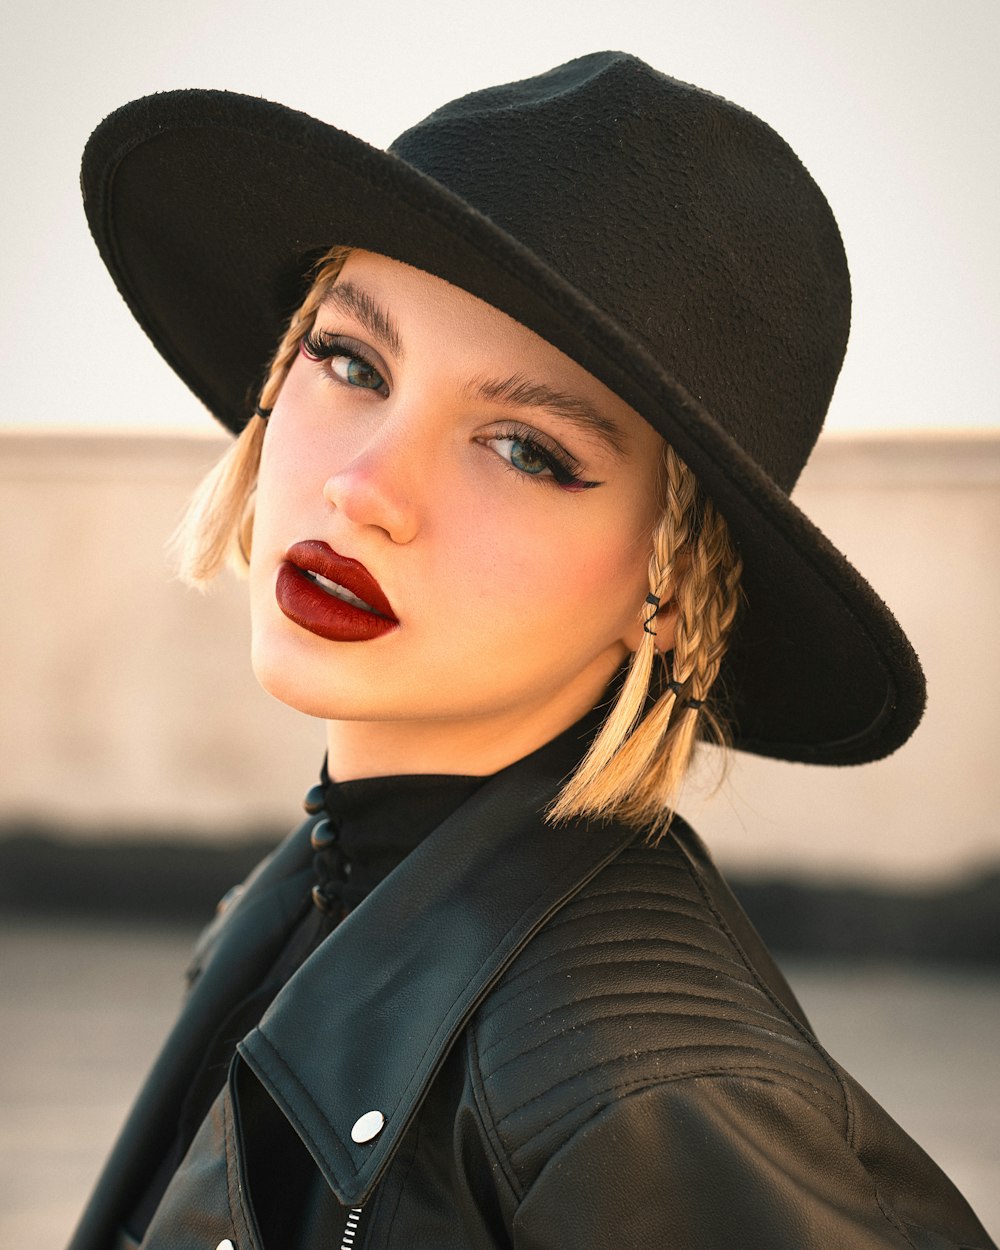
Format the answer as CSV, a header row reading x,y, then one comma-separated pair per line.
x,y
85,1006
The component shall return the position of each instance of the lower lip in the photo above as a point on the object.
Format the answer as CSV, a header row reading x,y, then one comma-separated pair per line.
x,y
310,607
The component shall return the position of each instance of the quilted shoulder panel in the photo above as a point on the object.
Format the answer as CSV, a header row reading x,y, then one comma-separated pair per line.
x,y
636,981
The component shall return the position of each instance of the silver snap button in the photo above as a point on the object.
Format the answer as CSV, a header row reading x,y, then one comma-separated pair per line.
x,y
225,1244
368,1127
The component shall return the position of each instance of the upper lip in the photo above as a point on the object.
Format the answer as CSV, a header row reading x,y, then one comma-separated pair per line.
x,y
315,556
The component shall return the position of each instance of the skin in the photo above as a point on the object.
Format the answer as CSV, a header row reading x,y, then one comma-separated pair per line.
x,y
517,597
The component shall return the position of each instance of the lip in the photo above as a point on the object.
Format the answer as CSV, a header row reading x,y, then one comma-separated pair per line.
x,y
314,609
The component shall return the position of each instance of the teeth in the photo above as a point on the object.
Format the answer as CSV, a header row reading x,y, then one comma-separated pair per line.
x,y
338,591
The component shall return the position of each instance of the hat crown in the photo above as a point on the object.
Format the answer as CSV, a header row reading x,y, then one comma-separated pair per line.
x,y
684,218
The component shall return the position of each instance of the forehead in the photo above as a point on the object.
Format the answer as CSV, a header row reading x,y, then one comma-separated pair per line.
x,y
389,293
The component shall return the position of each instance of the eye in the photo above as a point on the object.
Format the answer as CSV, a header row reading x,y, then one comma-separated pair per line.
x,y
357,372
523,455
349,361
527,456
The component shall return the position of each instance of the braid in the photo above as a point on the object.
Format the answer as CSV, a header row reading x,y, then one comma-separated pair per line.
x,y
706,607
708,600
637,762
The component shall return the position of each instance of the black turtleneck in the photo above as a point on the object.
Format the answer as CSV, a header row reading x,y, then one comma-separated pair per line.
x,y
371,824
367,827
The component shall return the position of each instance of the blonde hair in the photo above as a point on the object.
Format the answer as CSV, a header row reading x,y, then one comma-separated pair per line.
x,y
215,530
635,765
639,757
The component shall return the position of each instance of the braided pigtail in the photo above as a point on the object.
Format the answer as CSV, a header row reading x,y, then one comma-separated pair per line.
x,y
708,600
217,526
638,760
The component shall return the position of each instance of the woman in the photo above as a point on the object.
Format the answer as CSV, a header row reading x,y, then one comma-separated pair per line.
x,y
514,496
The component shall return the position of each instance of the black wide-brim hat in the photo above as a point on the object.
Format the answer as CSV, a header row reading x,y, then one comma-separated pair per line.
x,y
667,241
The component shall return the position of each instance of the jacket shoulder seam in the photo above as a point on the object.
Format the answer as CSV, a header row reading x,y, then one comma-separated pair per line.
x,y
759,1073
487,1118
889,1217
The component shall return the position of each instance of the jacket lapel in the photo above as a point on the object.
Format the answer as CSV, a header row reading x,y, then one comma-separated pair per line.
x,y
366,1023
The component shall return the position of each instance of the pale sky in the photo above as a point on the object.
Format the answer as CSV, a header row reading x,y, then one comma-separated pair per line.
x,y
892,105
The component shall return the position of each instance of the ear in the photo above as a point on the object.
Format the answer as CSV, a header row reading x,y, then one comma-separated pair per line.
x,y
662,626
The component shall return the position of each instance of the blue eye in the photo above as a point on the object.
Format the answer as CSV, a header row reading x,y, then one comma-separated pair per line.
x,y
529,457
357,372
525,456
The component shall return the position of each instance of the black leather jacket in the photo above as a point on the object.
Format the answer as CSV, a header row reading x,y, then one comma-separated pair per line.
x,y
575,1040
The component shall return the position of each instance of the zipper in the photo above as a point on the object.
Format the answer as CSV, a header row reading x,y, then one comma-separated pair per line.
x,y
350,1232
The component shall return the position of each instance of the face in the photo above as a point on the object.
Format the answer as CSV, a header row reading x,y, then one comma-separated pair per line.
x,y
488,501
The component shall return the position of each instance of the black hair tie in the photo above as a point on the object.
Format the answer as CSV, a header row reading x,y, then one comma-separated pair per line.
x,y
654,603
677,687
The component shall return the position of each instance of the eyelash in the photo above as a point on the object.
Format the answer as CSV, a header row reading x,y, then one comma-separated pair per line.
x,y
322,345
565,470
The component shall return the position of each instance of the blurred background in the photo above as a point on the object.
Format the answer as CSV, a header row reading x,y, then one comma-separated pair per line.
x,y
144,771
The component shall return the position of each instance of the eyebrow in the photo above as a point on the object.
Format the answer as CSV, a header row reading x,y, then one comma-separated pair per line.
x,y
371,316
520,392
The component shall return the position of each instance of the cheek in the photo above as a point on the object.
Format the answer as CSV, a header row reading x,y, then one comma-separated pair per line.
x,y
560,573
280,515
290,476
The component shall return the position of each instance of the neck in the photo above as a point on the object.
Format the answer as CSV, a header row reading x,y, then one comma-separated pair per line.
x,y
471,747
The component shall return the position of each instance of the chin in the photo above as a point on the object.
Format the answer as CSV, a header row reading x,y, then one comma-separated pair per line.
x,y
290,670
313,699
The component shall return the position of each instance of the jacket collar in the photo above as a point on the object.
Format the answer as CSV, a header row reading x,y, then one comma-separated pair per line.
x,y
368,1020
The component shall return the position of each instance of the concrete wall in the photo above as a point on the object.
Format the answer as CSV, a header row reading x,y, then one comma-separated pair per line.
x,y
127,702
919,515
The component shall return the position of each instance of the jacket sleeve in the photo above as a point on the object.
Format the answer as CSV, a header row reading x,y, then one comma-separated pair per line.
x,y
721,1162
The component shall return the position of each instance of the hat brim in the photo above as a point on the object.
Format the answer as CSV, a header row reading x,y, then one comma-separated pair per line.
x,y
206,207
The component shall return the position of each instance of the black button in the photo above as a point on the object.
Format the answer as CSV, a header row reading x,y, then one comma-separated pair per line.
x,y
324,902
323,834
313,802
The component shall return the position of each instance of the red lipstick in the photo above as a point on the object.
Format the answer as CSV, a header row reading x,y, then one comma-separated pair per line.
x,y
317,589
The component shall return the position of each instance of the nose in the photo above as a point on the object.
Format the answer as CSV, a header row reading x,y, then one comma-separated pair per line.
x,y
376,487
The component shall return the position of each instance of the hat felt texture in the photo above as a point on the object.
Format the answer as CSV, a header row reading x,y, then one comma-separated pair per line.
x,y
666,240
